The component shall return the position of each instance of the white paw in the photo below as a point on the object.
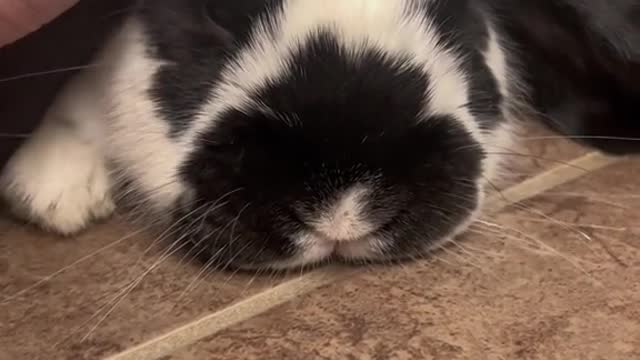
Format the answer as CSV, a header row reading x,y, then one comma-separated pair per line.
x,y
57,181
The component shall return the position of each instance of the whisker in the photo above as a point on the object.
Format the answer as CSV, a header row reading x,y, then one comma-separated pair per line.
x,y
575,229
170,230
578,137
235,271
117,298
501,230
198,243
552,219
432,253
541,158
579,225
470,262
488,253
47,72
470,250
253,278
167,254
14,136
576,194
582,234
121,295
212,260
79,261
232,222
592,198
75,263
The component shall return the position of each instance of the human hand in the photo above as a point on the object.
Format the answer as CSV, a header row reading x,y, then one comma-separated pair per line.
x,y
19,18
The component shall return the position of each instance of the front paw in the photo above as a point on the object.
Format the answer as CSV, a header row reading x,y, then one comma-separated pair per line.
x,y
59,184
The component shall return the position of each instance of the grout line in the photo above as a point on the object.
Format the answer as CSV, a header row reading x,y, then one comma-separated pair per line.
x,y
245,309
549,179
260,303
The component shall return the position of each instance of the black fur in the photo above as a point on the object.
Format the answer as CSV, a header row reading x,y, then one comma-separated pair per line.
x,y
195,37
336,124
463,25
581,62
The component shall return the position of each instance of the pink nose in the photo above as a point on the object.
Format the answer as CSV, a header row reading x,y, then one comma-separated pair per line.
x,y
344,220
344,228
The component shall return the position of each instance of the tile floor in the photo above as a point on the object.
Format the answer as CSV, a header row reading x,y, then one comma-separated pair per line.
x,y
554,276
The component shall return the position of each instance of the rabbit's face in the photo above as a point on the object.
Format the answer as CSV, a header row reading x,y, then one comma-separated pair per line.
x,y
316,134
337,156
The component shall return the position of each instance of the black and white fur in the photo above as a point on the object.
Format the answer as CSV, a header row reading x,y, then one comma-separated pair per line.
x,y
281,133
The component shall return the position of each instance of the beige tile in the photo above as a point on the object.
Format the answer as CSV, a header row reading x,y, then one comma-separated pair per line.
x,y
49,321
536,150
547,289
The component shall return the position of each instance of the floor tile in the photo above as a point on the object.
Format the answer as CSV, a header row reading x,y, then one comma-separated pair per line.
x,y
557,280
51,318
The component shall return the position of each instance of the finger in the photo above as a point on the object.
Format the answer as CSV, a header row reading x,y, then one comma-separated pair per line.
x,y
21,17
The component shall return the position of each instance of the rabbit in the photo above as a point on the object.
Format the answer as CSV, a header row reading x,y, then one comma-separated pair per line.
x,y
286,133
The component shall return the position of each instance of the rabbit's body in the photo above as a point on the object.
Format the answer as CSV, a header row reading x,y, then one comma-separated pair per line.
x,y
279,133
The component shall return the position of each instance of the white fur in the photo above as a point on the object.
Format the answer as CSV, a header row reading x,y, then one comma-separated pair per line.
x,y
138,140
387,25
314,249
501,139
59,178
344,220
371,248
495,59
